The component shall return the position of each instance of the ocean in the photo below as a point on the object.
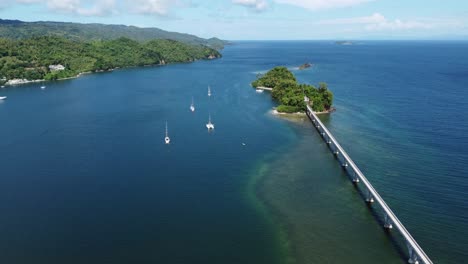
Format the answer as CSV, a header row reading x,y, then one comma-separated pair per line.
x,y
86,177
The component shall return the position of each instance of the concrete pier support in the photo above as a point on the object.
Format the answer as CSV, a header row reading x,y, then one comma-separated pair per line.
x,y
413,258
355,177
369,198
388,222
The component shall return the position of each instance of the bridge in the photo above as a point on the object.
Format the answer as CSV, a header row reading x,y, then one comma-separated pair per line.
x,y
415,252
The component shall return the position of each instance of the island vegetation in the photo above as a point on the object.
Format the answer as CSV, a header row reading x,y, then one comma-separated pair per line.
x,y
56,57
290,94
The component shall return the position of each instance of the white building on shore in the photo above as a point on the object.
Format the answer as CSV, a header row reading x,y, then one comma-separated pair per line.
x,y
58,67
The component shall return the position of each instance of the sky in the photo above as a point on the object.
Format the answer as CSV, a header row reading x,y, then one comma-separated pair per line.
x,y
263,19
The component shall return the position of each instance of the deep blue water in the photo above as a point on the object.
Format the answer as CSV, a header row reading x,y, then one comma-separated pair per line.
x,y
86,178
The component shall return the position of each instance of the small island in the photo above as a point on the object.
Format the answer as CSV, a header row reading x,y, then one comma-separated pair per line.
x,y
344,42
305,66
293,96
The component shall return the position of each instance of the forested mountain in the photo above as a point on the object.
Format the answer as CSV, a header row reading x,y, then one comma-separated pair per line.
x,y
15,29
56,50
52,57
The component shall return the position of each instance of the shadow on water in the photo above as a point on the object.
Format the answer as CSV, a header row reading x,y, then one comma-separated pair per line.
x,y
318,211
396,239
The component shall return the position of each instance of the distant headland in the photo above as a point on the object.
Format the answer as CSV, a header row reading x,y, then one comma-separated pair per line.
x,y
344,42
292,96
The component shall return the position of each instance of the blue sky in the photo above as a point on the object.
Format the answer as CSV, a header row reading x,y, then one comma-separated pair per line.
x,y
262,19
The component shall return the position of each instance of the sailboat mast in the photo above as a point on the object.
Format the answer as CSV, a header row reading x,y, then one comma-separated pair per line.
x,y
166,130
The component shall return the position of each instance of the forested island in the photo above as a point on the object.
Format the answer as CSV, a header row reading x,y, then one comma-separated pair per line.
x,y
54,50
291,94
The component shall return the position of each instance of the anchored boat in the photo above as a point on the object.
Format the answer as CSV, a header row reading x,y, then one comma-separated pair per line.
x,y
192,106
167,139
210,125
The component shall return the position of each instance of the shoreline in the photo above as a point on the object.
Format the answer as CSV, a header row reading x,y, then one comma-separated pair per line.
x,y
18,82
275,112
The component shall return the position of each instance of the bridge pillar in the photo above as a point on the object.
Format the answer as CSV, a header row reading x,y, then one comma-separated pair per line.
x,y
355,177
388,222
369,197
413,258
345,165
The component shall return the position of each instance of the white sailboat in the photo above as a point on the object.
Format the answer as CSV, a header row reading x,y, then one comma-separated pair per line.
x,y
192,106
167,139
43,87
210,125
209,91
3,97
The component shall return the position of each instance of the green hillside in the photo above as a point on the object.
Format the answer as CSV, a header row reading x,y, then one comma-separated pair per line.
x,y
31,59
15,29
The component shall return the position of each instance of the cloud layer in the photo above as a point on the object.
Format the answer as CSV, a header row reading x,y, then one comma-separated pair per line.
x,y
258,5
377,22
106,7
322,4
261,5
78,7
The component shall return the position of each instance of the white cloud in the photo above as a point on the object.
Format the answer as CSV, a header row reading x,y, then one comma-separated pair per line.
x,y
377,21
258,5
372,19
85,8
322,4
156,7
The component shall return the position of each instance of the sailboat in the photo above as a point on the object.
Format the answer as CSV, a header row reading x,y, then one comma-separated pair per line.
x,y
210,125
209,91
43,87
167,139
3,97
192,106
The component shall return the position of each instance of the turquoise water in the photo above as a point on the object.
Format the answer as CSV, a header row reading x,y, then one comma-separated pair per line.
x,y
86,177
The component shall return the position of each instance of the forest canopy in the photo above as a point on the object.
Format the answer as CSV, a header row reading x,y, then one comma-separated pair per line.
x,y
30,58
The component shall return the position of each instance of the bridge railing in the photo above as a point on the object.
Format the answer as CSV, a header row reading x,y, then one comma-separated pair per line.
x,y
415,252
